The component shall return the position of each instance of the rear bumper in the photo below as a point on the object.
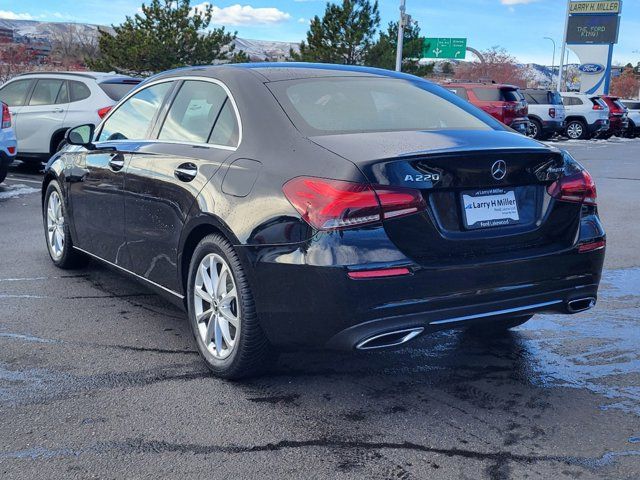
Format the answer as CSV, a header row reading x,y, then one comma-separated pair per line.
x,y
304,297
520,125
5,158
553,126
599,126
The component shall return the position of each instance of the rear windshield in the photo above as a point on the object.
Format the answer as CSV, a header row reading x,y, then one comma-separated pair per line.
x,y
116,91
498,94
619,104
351,105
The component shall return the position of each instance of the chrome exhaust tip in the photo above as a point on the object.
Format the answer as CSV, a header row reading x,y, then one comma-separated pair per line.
x,y
389,339
581,304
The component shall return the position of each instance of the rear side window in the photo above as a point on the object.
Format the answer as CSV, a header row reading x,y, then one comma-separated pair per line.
x,y
226,130
193,112
133,118
15,93
488,94
78,91
573,101
510,95
116,91
46,92
461,92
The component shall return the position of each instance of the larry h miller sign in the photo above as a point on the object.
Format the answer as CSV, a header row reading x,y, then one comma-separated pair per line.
x,y
592,31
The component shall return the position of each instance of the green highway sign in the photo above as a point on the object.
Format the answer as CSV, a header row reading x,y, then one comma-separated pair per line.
x,y
444,48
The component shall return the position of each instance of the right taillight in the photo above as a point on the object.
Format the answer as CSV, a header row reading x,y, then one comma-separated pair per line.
x,y
578,188
104,110
328,204
6,116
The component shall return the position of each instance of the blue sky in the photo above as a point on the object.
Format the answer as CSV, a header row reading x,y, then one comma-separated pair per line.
x,y
517,25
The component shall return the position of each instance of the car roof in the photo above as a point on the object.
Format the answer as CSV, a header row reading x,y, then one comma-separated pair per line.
x,y
278,71
100,77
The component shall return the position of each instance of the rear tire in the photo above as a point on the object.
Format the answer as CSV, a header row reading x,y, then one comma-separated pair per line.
x,y
576,130
56,230
496,327
4,169
535,129
234,346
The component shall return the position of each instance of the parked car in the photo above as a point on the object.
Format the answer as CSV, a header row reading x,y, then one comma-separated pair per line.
x,y
618,117
8,144
546,112
45,105
586,115
504,102
633,109
305,205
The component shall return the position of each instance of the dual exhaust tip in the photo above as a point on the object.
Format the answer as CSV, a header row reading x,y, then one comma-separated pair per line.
x,y
399,337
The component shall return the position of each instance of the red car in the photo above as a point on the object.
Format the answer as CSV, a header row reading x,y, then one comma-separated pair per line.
x,y
618,117
504,102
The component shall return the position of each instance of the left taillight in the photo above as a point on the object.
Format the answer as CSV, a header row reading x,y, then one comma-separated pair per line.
x,y
328,204
578,188
6,116
104,110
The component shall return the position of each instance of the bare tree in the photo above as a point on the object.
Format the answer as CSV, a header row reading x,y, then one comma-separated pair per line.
x,y
15,59
71,44
498,66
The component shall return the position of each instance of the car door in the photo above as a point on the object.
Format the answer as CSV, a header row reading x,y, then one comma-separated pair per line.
x,y
198,132
15,95
97,194
42,115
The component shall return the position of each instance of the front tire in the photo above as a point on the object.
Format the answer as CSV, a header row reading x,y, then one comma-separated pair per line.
x,y
56,230
222,312
576,130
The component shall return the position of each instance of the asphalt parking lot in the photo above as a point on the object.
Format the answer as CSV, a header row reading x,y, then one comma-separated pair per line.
x,y
99,378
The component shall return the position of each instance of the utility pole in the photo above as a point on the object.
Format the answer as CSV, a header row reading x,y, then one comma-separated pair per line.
x,y
553,57
564,46
401,24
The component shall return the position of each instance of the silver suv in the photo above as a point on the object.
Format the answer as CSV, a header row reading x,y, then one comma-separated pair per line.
x,y
45,105
546,112
587,115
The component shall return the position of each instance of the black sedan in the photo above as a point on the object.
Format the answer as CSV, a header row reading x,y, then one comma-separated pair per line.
x,y
300,205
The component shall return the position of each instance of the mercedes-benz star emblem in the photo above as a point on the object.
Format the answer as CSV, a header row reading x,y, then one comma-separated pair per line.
x,y
499,169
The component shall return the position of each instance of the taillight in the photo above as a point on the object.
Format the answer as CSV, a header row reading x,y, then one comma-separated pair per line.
x,y
596,105
333,204
577,188
6,116
104,110
552,112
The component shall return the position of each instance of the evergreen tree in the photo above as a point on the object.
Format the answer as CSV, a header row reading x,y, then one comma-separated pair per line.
x,y
383,53
167,34
343,35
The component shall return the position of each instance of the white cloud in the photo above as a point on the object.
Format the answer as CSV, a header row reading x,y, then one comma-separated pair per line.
x,y
516,2
245,15
9,15
302,20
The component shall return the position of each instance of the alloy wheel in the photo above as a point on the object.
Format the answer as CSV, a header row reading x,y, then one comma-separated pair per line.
x,y
533,130
55,225
216,306
574,130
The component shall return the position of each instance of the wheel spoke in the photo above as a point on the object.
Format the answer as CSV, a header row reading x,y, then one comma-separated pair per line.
x,y
228,316
222,283
206,280
208,336
218,336
203,294
204,315
224,330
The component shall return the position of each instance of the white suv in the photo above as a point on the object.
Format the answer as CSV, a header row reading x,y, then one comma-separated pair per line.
x,y
546,112
587,115
634,117
45,105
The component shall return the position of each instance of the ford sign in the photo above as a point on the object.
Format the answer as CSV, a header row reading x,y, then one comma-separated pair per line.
x,y
591,68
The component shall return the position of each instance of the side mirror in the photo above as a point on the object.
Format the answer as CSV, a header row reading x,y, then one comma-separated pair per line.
x,y
81,135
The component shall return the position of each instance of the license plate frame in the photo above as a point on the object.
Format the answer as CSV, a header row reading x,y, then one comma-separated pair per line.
x,y
489,208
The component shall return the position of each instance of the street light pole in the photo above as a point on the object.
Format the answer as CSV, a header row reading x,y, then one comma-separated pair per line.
x,y
401,25
564,45
553,58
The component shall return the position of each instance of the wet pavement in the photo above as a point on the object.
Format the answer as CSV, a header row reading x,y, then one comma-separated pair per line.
x,y
99,379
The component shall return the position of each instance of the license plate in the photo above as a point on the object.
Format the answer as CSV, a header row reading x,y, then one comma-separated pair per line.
x,y
490,208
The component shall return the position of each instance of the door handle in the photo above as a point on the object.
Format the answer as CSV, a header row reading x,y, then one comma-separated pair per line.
x,y
117,162
186,172
58,110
